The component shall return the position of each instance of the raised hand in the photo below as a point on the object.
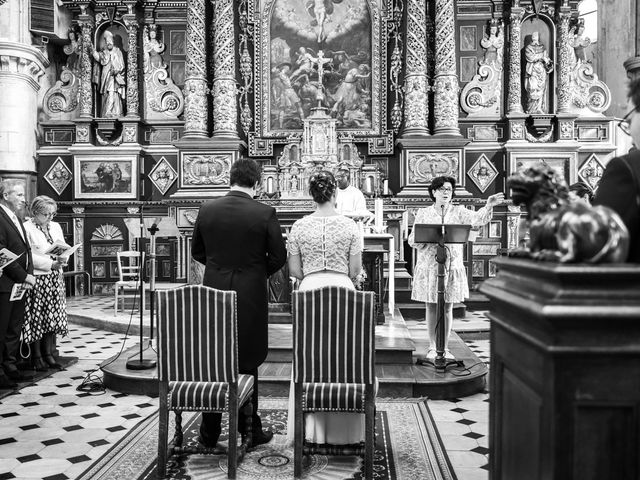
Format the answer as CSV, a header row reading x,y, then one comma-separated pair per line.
x,y
495,199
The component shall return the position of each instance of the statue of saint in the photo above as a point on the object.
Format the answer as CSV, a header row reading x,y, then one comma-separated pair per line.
x,y
111,82
537,70
493,44
153,50
73,51
578,42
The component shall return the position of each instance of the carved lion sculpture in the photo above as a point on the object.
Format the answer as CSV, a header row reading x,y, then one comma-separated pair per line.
x,y
565,231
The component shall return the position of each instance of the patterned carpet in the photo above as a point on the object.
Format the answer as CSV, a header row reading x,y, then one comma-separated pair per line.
x,y
408,447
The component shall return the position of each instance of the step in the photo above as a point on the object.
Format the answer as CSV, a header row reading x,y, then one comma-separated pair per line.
x,y
416,310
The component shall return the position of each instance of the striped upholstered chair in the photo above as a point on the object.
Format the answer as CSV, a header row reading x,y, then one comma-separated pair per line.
x,y
198,367
334,364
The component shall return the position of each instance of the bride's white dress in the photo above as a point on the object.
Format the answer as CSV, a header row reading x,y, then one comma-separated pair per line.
x,y
324,245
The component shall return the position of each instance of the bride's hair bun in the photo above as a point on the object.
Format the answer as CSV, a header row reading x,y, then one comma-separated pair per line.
x,y
322,186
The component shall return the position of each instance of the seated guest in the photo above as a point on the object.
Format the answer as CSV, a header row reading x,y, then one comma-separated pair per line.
x,y
349,200
325,250
581,191
619,187
13,238
46,306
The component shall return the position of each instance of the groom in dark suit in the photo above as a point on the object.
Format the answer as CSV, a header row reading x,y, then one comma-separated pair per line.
x,y
240,242
14,238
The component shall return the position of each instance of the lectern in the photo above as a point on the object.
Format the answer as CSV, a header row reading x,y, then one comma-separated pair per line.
x,y
440,234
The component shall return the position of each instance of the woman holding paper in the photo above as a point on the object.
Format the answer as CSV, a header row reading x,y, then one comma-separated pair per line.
x,y
46,306
425,275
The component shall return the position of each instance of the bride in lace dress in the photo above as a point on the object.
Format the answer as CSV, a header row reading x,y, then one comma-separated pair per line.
x,y
325,250
425,275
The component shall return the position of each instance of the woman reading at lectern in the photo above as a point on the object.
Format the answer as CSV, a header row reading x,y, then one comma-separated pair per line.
x,y
425,275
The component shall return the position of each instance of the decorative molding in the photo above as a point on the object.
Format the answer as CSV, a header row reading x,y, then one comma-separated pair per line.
x,y
58,176
591,171
395,69
163,175
86,94
424,167
482,173
564,61
225,110
514,92
416,84
246,68
204,170
195,86
64,95
133,101
445,85
107,231
22,61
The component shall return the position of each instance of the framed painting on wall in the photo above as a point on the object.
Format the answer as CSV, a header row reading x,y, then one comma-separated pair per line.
x,y
113,177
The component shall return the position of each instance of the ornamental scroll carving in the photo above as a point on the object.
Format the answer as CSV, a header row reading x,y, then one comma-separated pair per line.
x,y
481,96
205,170
424,167
64,96
162,97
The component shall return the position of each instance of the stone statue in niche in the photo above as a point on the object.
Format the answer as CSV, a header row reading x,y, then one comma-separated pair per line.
x,y
536,78
578,42
162,97
111,79
481,96
63,96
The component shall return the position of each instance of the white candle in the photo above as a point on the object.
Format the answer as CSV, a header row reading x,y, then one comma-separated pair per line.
x,y
369,185
378,210
361,231
270,189
385,187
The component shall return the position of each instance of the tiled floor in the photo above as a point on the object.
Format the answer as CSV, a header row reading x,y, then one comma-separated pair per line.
x,y
50,430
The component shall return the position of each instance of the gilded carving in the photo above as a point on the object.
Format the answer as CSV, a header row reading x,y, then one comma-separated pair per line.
x,y
395,68
482,173
86,94
566,130
58,176
163,98
517,131
446,81
132,66
416,114
64,96
225,110
107,231
163,175
246,68
82,133
514,93
195,86
565,62
482,95
424,167
591,171
205,170
78,238
130,133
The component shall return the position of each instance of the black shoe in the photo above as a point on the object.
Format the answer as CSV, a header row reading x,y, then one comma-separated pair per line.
x,y
14,374
6,382
261,437
51,362
207,441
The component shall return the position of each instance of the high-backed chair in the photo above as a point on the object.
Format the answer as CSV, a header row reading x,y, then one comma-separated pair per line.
x,y
130,264
198,367
334,364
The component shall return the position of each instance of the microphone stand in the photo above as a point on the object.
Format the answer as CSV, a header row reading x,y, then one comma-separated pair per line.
x,y
441,259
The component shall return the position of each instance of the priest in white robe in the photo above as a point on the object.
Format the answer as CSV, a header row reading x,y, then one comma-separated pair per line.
x,y
350,200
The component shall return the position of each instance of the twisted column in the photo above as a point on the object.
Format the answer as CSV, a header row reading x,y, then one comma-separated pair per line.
x,y
564,64
86,97
132,66
416,107
225,108
514,95
445,84
195,85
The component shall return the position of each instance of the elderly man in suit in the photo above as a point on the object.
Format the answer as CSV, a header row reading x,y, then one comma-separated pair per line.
x,y
14,238
619,187
240,242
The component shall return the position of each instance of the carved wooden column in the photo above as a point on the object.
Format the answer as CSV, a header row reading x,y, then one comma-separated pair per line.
x,y
564,67
514,95
133,107
416,107
195,85
85,21
225,109
445,83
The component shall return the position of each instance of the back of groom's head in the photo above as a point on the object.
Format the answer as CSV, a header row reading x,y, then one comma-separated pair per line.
x,y
244,173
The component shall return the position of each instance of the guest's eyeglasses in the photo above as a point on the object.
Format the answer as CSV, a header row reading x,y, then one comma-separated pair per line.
x,y
50,215
445,189
625,123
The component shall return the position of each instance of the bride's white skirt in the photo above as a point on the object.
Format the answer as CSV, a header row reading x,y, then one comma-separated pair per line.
x,y
337,428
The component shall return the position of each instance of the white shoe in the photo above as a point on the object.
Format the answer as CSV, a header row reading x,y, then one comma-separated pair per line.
x,y
431,354
448,355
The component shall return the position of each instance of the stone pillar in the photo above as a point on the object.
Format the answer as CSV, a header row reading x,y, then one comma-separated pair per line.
x,y
133,85
564,67
225,108
195,85
86,95
445,82
416,106
514,94
21,67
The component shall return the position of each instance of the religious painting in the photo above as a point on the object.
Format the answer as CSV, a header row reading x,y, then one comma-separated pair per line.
x,y
166,268
105,250
177,72
320,52
114,271
486,249
98,270
468,40
482,173
177,43
495,229
477,268
103,288
492,269
467,68
113,177
559,164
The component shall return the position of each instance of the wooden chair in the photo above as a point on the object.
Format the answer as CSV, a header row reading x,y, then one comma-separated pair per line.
x,y
198,367
334,364
130,264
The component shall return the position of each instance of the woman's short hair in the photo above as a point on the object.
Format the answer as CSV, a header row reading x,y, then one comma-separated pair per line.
x,y
40,204
438,182
322,186
245,172
581,189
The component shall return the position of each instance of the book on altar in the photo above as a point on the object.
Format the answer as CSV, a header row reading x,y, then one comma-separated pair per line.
x,y
61,249
17,292
7,257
